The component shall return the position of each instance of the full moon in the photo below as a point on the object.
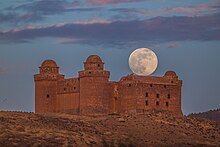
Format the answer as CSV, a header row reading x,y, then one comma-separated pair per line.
x,y
143,61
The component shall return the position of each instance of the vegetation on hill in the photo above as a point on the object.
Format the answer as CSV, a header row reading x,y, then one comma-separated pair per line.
x,y
211,115
143,129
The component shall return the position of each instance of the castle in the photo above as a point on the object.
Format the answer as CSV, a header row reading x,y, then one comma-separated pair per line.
x,y
92,92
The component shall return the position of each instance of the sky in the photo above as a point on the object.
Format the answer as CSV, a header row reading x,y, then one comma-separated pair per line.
x,y
185,36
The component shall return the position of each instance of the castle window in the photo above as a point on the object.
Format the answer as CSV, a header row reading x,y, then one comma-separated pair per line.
x,y
168,96
157,103
158,95
165,86
167,104
129,85
48,95
90,72
146,95
146,103
171,81
151,85
74,88
98,65
64,89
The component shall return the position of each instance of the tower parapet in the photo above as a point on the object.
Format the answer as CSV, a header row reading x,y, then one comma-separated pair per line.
x,y
46,87
94,86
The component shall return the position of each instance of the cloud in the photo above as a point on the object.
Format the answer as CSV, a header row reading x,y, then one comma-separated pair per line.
x,y
68,40
15,18
119,33
46,7
192,10
38,10
3,71
105,2
172,45
197,8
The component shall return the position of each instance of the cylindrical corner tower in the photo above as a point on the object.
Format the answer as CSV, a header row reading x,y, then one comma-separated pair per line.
x,y
46,87
94,95
175,90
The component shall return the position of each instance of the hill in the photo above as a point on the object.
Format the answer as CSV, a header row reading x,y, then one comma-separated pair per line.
x,y
211,115
146,129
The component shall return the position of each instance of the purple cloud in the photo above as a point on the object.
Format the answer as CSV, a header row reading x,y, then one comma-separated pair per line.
x,y
3,71
192,10
172,45
117,33
38,10
105,2
17,18
47,6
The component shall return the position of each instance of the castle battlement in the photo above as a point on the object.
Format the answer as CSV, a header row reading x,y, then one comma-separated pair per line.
x,y
92,92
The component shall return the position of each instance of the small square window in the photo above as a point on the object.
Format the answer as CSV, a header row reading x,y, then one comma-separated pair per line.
x,y
168,96
165,86
158,95
90,72
48,95
146,95
98,65
129,85
64,89
74,88
146,103
151,85
157,103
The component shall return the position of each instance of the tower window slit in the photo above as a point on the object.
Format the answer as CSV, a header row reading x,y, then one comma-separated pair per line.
x,y
167,104
146,103
146,95
158,95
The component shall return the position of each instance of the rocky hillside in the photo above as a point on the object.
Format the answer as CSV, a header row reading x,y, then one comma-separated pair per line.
x,y
212,115
154,129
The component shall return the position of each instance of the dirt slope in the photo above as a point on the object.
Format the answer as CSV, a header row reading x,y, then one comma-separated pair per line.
x,y
154,129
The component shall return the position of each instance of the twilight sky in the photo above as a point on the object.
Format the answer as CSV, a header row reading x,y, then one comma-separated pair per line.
x,y
184,34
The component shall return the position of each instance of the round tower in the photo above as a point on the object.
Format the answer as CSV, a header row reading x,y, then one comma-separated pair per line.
x,y
175,91
46,86
94,92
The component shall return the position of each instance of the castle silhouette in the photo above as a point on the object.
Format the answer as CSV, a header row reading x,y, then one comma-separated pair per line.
x,y
92,92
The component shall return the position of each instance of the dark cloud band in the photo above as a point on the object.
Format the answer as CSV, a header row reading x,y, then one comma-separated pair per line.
x,y
177,28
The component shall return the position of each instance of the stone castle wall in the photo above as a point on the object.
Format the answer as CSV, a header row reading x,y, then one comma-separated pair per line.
x,y
92,92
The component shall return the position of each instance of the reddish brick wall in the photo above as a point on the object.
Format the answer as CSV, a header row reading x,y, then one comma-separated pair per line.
x,y
92,92
136,95
68,102
45,93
